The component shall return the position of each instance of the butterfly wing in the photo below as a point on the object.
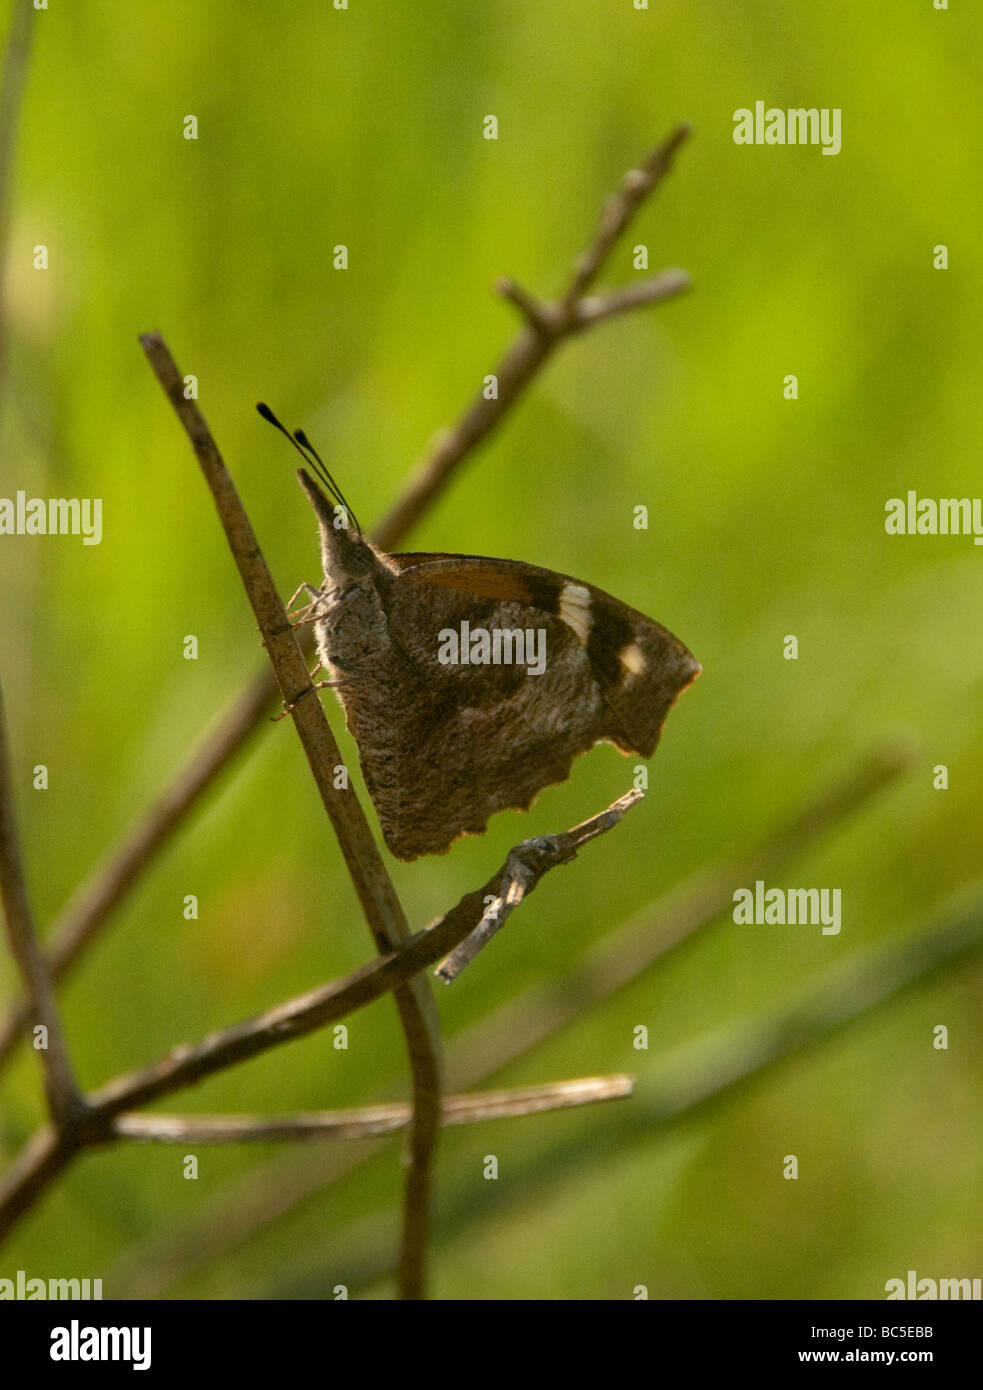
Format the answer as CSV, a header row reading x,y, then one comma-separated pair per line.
x,y
466,738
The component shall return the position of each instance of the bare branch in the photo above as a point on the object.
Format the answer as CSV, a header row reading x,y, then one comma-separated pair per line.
x,y
63,1096
536,1100
620,209
371,1121
547,326
376,893
598,307
523,869
535,313
42,1159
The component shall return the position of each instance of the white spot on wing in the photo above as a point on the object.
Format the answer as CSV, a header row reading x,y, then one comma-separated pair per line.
x,y
575,610
632,660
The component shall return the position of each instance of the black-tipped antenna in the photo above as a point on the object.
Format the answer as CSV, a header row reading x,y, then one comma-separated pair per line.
x,y
301,438
311,457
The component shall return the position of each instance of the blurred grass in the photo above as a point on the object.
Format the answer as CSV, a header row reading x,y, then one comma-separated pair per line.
x,y
363,127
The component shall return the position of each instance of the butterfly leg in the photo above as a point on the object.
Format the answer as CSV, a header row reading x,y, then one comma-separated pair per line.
x,y
319,685
302,616
305,587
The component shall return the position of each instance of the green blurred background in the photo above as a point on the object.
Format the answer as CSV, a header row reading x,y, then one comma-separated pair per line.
x,y
364,127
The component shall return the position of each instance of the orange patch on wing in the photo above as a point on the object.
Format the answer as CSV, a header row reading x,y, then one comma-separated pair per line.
x,y
481,583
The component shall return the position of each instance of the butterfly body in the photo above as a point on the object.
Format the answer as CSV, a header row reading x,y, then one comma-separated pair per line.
x,y
470,683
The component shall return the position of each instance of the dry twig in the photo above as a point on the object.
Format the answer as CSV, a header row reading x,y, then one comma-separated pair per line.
x,y
373,885
371,1121
63,1096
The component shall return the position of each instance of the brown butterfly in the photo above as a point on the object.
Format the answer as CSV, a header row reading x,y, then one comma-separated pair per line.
x,y
470,683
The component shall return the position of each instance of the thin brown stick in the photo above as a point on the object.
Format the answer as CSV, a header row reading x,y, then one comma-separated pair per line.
x,y
62,1093
598,307
371,1121
637,185
373,885
42,1159
93,903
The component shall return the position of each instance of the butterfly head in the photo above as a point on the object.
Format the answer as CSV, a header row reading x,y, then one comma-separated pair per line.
x,y
347,558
